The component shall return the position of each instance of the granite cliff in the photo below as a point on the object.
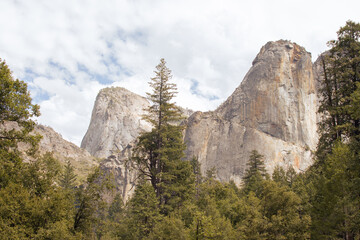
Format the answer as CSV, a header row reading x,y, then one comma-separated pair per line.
x,y
116,121
115,124
274,110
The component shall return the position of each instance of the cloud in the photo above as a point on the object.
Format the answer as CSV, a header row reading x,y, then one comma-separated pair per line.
x,y
68,51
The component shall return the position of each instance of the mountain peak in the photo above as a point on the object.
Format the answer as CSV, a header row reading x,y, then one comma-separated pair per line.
x,y
273,111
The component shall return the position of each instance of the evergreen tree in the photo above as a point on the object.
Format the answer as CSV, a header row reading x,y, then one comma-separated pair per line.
x,y
196,166
283,177
336,169
255,173
335,213
116,207
283,211
68,177
279,176
90,206
34,207
143,211
169,228
158,154
252,224
341,73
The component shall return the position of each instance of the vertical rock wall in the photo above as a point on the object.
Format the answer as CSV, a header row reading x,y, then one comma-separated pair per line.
x,y
116,121
273,111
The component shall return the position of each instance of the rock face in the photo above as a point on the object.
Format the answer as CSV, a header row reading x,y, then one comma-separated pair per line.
x,y
272,111
122,170
115,122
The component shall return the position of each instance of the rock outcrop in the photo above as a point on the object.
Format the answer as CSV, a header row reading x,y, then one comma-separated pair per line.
x,y
115,122
272,111
123,172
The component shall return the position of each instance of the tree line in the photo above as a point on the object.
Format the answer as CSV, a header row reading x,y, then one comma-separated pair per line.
x,y
40,199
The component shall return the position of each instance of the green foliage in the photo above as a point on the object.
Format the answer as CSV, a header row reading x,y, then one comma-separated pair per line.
x,y
283,177
34,207
15,99
16,111
255,164
162,111
210,225
169,228
214,206
335,177
116,208
341,68
90,207
143,211
282,208
334,212
255,173
252,224
158,154
68,177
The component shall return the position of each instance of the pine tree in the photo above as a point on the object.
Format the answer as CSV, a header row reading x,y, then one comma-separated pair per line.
x,y
158,154
341,73
335,212
143,211
336,170
255,173
279,176
68,177
90,203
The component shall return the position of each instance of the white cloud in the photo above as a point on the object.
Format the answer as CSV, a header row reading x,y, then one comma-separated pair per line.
x,y
67,51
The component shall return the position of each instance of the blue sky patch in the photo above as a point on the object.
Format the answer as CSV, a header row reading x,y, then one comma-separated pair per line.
x,y
194,89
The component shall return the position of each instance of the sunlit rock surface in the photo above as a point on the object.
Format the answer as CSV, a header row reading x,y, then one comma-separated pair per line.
x,y
272,111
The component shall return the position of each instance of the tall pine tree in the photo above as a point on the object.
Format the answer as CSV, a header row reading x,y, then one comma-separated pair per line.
x,y
158,154
255,173
341,73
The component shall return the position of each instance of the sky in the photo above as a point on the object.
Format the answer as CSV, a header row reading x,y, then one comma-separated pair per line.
x,y
67,51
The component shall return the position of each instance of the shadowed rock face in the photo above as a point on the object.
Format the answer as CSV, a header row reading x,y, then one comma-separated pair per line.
x,y
122,170
273,111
